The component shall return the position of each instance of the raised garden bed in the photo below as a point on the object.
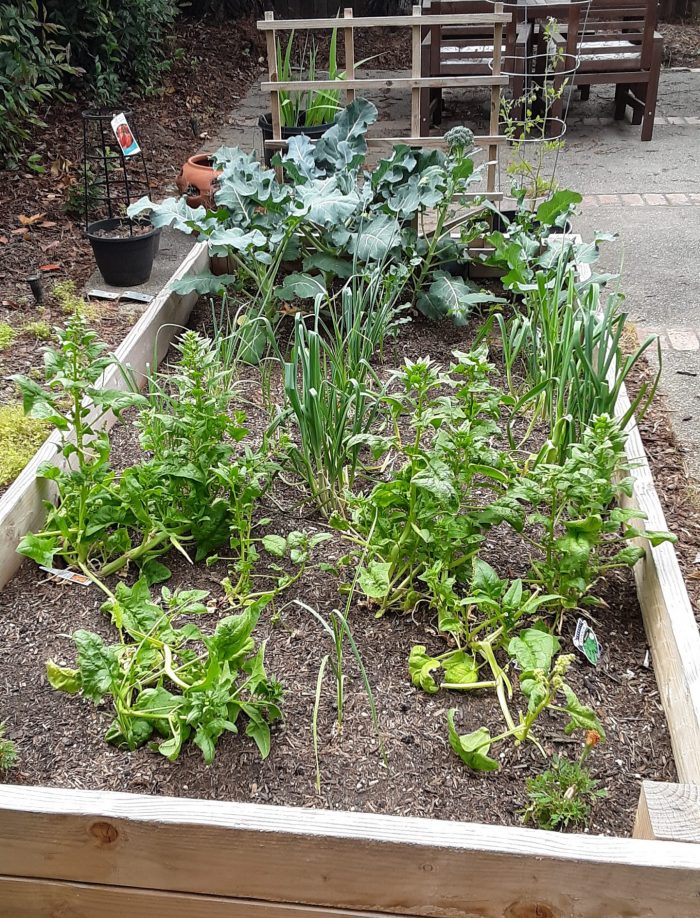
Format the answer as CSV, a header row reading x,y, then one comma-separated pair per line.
x,y
424,777
288,859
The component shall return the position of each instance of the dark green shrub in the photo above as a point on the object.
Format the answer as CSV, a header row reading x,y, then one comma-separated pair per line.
x,y
34,62
119,43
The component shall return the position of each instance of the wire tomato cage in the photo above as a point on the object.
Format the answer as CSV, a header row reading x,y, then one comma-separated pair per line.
x,y
110,179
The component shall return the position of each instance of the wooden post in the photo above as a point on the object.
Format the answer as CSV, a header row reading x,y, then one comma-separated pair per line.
x,y
668,812
495,101
273,76
349,37
416,73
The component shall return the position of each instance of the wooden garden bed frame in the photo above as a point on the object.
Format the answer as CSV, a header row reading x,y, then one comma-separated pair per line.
x,y
68,853
417,84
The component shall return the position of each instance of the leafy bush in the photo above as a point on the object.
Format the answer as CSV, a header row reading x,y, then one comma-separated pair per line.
x,y
564,794
119,43
7,335
34,62
335,216
39,329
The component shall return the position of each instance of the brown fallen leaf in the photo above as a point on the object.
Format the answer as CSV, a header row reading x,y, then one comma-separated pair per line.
x,y
55,267
4,240
47,224
60,166
29,221
22,231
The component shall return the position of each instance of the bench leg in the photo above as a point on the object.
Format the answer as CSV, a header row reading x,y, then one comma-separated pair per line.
x,y
621,94
425,113
651,92
436,105
585,93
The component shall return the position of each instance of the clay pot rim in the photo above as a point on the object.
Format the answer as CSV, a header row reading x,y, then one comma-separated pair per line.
x,y
203,161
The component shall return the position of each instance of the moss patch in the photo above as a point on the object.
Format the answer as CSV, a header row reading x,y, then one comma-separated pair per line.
x,y
71,303
20,438
7,335
41,330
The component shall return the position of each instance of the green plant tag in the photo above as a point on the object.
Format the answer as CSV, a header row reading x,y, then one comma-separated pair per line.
x,y
586,641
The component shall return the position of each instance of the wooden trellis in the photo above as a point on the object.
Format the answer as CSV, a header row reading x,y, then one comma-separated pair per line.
x,y
417,84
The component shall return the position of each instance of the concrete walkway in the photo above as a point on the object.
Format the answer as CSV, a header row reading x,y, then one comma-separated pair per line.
x,y
648,193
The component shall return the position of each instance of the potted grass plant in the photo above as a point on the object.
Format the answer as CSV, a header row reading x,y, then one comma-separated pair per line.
x,y
309,112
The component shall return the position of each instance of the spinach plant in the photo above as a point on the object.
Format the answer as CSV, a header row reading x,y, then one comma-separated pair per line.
x,y
574,524
168,680
541,679
422,523
189,491
89,502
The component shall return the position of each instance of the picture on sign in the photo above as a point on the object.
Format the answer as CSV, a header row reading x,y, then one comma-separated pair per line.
x,y
124,135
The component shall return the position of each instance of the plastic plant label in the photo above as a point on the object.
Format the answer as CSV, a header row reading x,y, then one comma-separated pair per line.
x,y
586,641
124,134
96,294
137,296
67,574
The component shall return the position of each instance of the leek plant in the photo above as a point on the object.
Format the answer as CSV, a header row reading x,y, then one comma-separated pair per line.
x,y
332,392
568,342
312,108
333,411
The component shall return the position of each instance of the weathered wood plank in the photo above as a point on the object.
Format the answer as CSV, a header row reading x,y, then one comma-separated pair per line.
x,y
384,143
670,624
352,861
412,82
668,812
30,898
368,22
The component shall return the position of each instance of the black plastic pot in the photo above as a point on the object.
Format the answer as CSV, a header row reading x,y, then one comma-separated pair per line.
x,y
265,125
123,261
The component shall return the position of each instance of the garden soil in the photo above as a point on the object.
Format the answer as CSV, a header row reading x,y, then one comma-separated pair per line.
x,y
60,738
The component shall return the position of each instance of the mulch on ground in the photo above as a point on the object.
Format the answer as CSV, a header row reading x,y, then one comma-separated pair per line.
x,y
60,737
681,43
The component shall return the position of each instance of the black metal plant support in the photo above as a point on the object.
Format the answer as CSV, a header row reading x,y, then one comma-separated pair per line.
x,y
109,178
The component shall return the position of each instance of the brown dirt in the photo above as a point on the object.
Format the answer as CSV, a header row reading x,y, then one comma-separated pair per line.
x,y
681,43
60,737
123,231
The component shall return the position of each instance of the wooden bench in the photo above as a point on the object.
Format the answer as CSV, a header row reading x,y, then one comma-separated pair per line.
x,y
616,42
461,51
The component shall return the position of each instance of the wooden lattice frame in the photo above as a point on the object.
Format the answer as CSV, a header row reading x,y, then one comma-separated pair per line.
x,y
352,84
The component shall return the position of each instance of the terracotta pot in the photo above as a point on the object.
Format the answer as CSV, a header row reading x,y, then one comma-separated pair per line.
x,y
195,180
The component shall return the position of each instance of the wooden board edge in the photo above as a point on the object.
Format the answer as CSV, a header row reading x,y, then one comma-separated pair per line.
x,y
30,897
372,22
668,812
669,621
341,860
22,505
